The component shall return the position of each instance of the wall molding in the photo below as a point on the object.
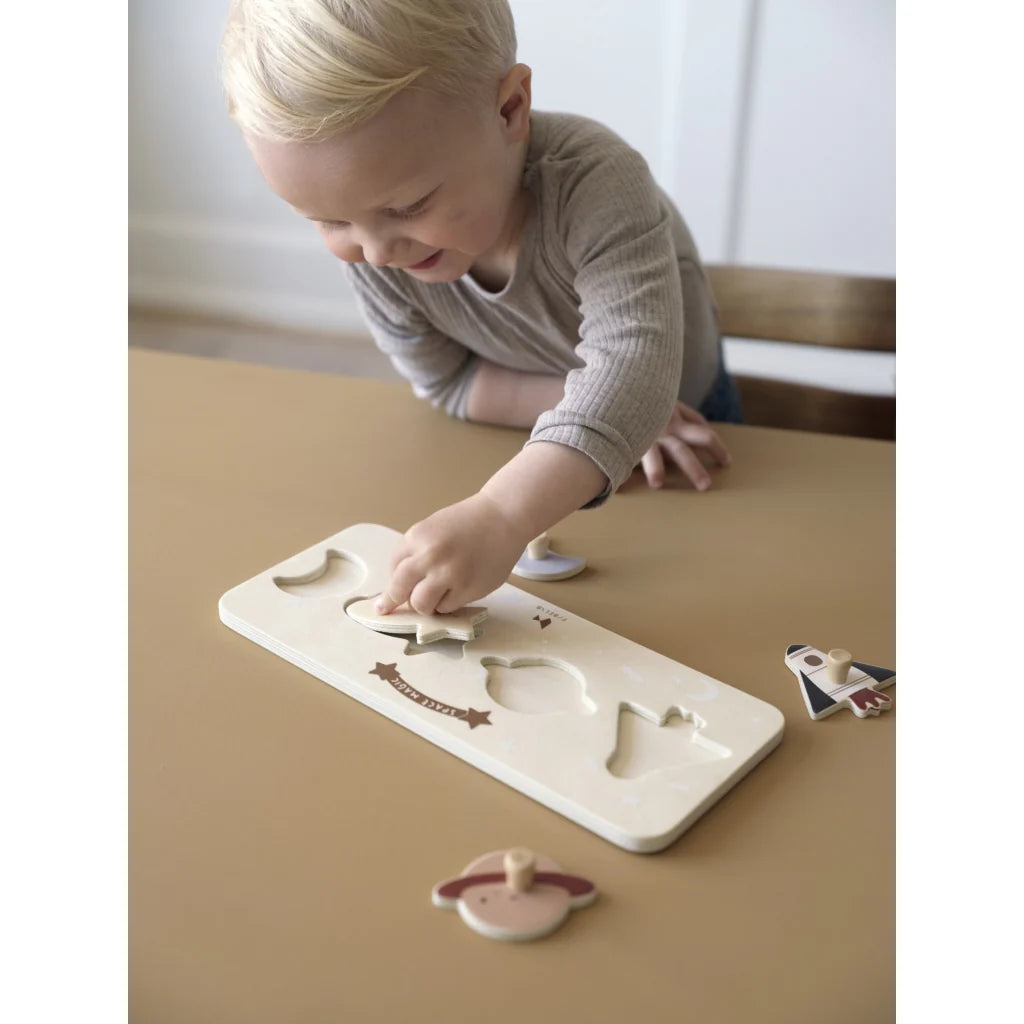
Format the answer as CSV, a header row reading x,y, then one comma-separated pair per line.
x,y
222,269
706,52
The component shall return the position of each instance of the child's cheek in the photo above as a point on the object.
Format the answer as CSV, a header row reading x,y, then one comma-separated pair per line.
x,y
342,251
476,229
456,219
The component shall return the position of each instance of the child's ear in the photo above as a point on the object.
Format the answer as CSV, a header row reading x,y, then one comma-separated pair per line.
x,y
514,97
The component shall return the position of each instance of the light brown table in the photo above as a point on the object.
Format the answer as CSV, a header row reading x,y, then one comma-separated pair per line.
x,y
284,838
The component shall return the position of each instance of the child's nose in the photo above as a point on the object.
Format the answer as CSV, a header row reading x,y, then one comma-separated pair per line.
x,y
378,249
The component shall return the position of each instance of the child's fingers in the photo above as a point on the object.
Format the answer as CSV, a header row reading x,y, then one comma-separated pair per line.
x,y
654,466
426,596
686,459
400,555
385,603
404,577
448,603
714,443
690,415
702,436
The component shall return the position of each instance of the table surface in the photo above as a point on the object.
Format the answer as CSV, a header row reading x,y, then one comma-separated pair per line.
x,y
284,838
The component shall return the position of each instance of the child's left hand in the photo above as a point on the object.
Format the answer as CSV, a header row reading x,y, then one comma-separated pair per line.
x,y
685,431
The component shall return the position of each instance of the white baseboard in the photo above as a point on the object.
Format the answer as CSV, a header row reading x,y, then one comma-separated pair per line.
x,y
274,309
269,276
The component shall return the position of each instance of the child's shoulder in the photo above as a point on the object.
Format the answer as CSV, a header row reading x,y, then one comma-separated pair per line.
x,y
584,170
561,137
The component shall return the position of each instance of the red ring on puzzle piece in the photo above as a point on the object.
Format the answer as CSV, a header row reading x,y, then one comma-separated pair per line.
x,y
573,884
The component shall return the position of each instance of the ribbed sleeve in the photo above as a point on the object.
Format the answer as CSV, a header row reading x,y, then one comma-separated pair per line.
x,y
439,368
619,239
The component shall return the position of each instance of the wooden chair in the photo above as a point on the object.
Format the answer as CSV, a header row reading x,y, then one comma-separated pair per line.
x,y
812,309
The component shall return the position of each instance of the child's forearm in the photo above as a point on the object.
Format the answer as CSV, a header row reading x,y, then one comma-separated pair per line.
x,y
541,485
511,398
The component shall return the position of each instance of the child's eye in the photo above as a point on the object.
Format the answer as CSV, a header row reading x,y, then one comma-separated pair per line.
x,y
411,211
405,213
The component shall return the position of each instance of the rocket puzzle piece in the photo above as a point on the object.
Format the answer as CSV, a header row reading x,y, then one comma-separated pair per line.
x,y
514,895
828,682
458,625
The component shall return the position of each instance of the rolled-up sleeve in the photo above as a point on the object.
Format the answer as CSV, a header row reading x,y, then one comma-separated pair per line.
x,y
439,368
618,237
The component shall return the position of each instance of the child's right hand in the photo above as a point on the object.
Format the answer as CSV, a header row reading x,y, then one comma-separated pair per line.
x,y
457,555
685,431
463,552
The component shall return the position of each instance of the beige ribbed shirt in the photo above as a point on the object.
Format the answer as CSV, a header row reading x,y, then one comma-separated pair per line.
x,y
607,290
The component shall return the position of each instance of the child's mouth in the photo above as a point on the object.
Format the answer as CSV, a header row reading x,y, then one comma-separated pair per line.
x,y
428,262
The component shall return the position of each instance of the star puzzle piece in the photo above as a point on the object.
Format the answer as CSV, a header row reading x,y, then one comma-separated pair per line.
x,y
539,562
457,625
514,895
830,682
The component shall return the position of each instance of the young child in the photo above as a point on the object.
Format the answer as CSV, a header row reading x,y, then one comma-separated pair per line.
x,y
518,267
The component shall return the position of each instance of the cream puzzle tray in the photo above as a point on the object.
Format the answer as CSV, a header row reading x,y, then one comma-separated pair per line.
x,y
617,738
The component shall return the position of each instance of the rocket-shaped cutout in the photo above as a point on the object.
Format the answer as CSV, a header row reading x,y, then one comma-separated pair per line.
x,y
832,681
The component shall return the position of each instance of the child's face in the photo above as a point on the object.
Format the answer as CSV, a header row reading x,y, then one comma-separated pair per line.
x,y
422,187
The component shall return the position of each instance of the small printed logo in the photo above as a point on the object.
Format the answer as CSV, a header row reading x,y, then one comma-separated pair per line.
x,y
391,675
547,616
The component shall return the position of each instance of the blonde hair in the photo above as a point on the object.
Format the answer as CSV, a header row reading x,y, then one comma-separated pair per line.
x,y
308,69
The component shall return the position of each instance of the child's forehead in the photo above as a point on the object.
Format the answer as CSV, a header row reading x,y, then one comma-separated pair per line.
x,y
412,140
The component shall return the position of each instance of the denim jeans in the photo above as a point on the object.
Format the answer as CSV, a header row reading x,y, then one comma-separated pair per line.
x,y
722,402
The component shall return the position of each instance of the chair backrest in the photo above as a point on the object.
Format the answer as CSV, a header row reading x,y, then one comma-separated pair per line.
x,y
802,307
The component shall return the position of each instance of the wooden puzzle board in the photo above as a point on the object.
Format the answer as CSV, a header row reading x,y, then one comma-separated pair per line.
x,y
627,743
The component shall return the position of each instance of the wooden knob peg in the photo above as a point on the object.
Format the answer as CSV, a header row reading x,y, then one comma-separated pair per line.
x,y
519,866
839,662
538,547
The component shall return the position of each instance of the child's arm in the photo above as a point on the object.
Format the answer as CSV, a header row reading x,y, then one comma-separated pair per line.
x,y
439,368
465,550
511,398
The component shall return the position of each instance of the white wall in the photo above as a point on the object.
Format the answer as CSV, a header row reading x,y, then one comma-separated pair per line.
x,y
770,122
818,164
